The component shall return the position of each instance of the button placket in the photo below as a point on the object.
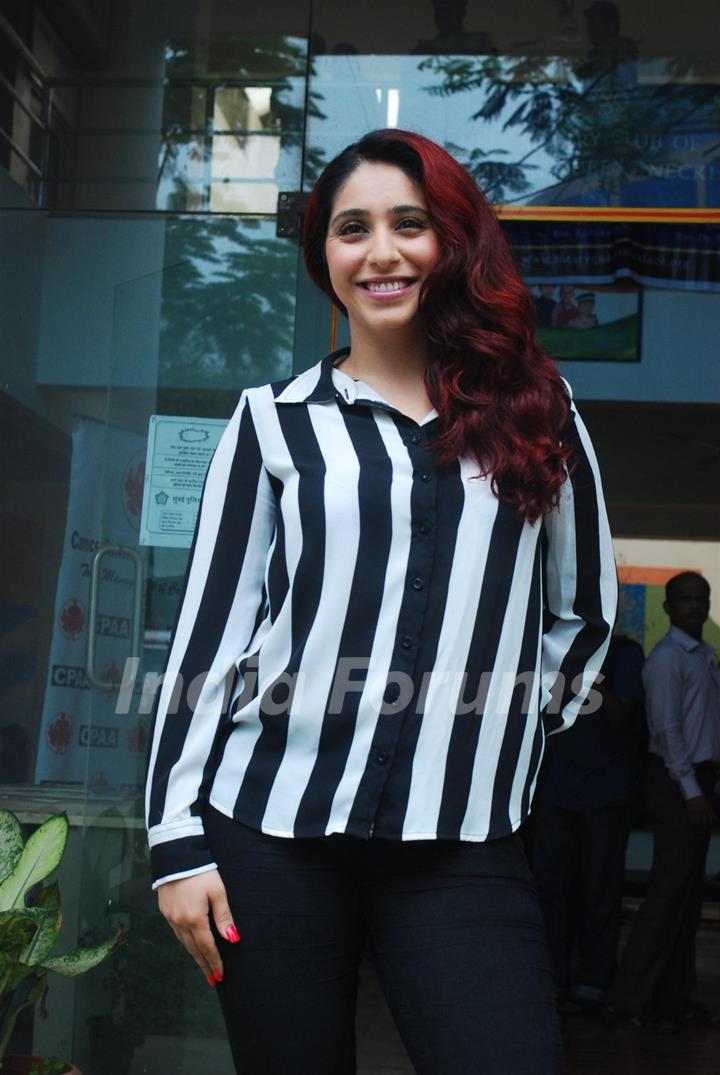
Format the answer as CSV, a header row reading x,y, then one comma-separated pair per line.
x,y
411,615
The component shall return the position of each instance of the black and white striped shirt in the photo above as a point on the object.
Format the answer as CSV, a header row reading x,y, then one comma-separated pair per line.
x,y
369,643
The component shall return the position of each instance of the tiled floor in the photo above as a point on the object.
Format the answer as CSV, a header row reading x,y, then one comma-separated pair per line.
x,y
591,1048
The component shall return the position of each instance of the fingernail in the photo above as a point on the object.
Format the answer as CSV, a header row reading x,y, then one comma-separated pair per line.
x,y
209,979
218,975
232,934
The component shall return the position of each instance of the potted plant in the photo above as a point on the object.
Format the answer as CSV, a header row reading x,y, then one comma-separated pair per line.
x,y
30,921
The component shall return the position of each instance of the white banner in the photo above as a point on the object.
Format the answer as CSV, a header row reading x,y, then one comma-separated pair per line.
x,y
179,451
83,740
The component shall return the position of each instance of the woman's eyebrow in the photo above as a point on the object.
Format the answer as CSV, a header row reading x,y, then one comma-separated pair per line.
x,y
395,210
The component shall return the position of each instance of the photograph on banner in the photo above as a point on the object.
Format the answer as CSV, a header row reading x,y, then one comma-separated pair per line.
x,y
580,323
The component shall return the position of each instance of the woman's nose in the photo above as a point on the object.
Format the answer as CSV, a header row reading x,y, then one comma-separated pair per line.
x,y
383,249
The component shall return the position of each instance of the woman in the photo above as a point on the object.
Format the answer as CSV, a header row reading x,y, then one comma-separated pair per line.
x,y
380,542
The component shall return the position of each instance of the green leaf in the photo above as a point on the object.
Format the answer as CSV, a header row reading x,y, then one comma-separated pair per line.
x,y
48,897
11,843
20,972
40,856
46,907
83,959
16,929
45,937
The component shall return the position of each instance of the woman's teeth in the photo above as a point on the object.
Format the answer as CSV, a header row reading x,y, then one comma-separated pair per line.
x,y
395,285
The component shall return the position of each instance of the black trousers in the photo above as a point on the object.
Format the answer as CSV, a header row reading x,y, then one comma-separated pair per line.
x,y
657,970
578,858
453,928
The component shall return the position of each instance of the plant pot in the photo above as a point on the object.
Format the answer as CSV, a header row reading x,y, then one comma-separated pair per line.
x,y
23,1065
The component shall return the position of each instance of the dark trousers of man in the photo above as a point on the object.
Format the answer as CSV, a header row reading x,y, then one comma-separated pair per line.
x,y
657,970
578,858
453,928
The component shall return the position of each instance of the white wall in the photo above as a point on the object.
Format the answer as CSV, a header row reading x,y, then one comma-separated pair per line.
x,y
100,296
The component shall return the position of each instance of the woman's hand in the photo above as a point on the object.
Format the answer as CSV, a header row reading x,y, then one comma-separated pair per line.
x,y
187,904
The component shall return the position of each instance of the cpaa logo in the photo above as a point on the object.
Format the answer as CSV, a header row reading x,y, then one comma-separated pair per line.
x,y
98,735
133,481
59,733
72,619
112,626
66,675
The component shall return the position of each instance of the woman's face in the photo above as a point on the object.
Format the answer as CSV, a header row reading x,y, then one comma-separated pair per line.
x,y
380,247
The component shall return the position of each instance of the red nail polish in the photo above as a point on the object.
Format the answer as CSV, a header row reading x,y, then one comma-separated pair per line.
x,y
232,934
218,975
209,979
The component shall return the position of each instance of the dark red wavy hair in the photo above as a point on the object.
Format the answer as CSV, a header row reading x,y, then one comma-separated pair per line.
x,y
498,395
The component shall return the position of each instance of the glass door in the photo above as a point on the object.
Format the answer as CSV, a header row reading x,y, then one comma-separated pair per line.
x,y
186,340
138,310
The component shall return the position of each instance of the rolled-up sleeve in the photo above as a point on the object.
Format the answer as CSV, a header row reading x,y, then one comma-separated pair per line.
x,y
663,679
580,585
222,603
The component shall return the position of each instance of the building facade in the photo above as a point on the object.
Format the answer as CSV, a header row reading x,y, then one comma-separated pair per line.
x,y
154,155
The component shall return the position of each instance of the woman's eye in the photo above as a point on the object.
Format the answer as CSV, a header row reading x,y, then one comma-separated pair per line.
x,y
411,222
351,228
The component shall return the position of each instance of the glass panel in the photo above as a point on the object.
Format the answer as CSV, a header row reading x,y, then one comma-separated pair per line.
x,y
114,316
154,111
182,341
109,318
575,109
204,320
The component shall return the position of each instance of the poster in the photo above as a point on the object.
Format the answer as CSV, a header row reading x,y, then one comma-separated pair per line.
x,y
83,739
178,455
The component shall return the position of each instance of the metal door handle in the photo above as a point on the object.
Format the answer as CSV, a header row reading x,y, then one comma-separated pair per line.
x,y
132,554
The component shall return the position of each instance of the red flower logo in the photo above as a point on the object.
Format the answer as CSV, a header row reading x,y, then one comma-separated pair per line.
x,y
59,733
72,618
133,481
112,674
137,738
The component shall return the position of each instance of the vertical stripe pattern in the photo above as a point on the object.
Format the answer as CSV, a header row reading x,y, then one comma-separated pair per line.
x,y
368,643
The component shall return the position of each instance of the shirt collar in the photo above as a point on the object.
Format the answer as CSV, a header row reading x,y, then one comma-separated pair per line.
x,y
688,642
316,384
323,382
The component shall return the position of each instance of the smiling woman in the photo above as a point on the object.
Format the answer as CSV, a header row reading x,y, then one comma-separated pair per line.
x,y
380,255
380,249
467,328
408,543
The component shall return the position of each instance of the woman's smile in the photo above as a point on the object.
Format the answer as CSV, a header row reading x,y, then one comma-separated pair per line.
x,y
390,288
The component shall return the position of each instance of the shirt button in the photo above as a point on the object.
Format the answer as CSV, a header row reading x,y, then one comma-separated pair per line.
x,y
416,438
382,758
417,583
424,528
425,476
406,642
392,692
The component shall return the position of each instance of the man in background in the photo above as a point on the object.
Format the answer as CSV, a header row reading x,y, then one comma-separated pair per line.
x,y
682,700
579,829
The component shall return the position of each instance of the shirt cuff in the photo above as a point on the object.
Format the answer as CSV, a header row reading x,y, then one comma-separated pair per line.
x,y
182,857
689,786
